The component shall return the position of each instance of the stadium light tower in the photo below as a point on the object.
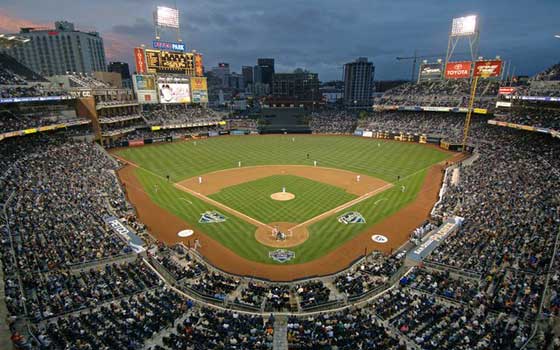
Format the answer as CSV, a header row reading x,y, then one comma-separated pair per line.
x,y
463,28
166,17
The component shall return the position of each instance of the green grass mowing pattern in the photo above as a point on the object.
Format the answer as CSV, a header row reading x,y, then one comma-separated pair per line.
x,y
238,235
253,198
361,155
183,160
327,234
234,233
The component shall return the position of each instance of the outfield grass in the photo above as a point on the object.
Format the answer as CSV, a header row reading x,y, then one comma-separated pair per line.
x,y
184,160
253,198
361,155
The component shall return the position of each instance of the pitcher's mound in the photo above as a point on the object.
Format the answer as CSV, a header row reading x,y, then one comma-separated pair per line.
x,y
282,196
292,237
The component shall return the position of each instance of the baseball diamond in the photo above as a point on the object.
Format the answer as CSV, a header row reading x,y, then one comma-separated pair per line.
x,y
272,164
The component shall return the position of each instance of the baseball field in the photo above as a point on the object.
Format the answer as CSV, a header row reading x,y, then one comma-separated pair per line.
x,y
260,204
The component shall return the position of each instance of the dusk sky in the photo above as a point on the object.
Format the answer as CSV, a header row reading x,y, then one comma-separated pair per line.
x,y
318,35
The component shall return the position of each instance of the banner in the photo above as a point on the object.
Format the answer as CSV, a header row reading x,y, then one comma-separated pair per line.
x,y
140,60
458,70
487,69
503,104
198,67
506,90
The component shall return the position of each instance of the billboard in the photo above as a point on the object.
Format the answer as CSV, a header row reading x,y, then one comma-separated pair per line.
x,y
487,69
174,92
166,45
458,70
463,26
140,60
198,67
199,89
430,72
167,62
506,90
145,88
167,17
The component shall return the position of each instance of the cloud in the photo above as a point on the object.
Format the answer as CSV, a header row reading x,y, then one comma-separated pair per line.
x,y
319,35
11,24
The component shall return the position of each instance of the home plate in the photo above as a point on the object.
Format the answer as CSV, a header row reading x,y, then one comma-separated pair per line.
x,y
185,233
379,239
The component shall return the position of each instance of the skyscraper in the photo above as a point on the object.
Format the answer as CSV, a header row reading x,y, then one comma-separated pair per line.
x,y
222,72
60,49
247,72
358,82
267,70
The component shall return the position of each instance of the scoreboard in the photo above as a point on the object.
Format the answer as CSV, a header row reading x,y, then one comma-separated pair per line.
x,y
166,62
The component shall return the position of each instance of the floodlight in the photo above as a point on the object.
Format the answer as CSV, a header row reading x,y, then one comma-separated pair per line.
x,y
167,17
464,25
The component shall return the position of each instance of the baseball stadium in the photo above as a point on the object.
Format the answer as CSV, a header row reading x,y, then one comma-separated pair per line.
x,y
186,207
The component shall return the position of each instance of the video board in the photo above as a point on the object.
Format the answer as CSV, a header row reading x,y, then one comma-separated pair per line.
x,y
174,92
430,72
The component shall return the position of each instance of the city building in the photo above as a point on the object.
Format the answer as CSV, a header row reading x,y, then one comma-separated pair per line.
x,y
236,81
358,82
222,72
247,72
299,87
58,50
266,66
122,69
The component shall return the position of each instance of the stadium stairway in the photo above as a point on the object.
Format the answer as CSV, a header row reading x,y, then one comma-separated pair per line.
x,y
280,333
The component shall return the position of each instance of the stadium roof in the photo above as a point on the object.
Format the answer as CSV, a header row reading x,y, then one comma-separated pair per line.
x,y
10,40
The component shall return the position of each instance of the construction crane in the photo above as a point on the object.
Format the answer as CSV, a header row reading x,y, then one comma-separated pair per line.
x,y
416,58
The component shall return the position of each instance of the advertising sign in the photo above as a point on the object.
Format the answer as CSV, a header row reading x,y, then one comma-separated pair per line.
x,y
198,67
458,70
174,93
171,46
140,60
430,72
487,69
145,88
506,90
199,90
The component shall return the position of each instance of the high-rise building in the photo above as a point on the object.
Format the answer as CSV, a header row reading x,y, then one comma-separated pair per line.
x,y
60,50
247,72
123,70
358,82
297,86
222,72
266,66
